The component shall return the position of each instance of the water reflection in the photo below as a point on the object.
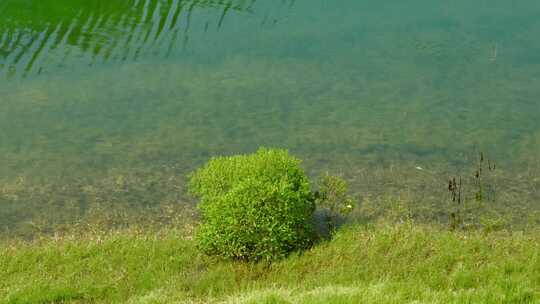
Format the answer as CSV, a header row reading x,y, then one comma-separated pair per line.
x,y
47,33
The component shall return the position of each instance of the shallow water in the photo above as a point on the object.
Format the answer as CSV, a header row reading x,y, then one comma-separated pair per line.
x,y
91,91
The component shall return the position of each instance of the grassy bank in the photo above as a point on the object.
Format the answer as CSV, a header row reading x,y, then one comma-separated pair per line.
x,y
383,263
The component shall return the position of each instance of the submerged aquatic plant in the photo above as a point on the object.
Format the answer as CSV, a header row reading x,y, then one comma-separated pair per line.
x,y
333,200
456,219
463,215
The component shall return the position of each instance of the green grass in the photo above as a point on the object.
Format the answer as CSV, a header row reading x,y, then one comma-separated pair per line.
x,y
383,263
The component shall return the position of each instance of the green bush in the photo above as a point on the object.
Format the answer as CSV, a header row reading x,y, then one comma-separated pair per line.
x,y
253,207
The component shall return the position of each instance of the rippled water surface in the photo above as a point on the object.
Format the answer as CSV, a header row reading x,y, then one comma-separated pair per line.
x,y
113,102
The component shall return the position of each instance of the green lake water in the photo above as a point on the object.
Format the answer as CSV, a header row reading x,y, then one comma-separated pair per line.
x,y
111,103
